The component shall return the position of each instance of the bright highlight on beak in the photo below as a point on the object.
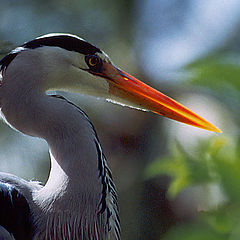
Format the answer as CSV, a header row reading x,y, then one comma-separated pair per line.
x,y
127,87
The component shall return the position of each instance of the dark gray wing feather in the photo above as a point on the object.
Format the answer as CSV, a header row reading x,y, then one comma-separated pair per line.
x,y
14,213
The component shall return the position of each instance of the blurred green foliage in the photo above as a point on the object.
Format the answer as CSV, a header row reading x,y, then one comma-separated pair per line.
x,y
216,71
219,73
216,160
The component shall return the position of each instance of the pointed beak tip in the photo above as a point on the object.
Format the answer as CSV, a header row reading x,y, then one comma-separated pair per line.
x,y
214,129
131,89
217,130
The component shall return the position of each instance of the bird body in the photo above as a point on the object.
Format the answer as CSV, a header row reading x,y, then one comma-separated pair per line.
x,y
79,200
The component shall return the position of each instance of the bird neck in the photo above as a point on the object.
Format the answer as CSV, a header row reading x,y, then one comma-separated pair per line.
x,y
74,157
69,133
74,190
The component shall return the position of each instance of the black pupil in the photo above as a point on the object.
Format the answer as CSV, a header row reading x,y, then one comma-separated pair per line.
x,y
93,61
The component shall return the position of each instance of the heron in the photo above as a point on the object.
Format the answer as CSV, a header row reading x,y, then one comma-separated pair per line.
x,y
79,199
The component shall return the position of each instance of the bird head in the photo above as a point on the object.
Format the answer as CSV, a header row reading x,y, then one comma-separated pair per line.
x,y
67,62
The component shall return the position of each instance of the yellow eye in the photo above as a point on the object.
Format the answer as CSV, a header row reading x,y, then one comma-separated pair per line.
x,y
93,61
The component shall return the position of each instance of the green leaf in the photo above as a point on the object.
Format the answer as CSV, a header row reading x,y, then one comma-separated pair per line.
x,y
226,160
198,231
175,167
223,220
183,169
216,71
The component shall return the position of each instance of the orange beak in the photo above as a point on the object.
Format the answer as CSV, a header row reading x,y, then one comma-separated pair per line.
x,y
127,87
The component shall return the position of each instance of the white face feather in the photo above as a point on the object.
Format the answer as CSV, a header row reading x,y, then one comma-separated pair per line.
x,y
62,70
